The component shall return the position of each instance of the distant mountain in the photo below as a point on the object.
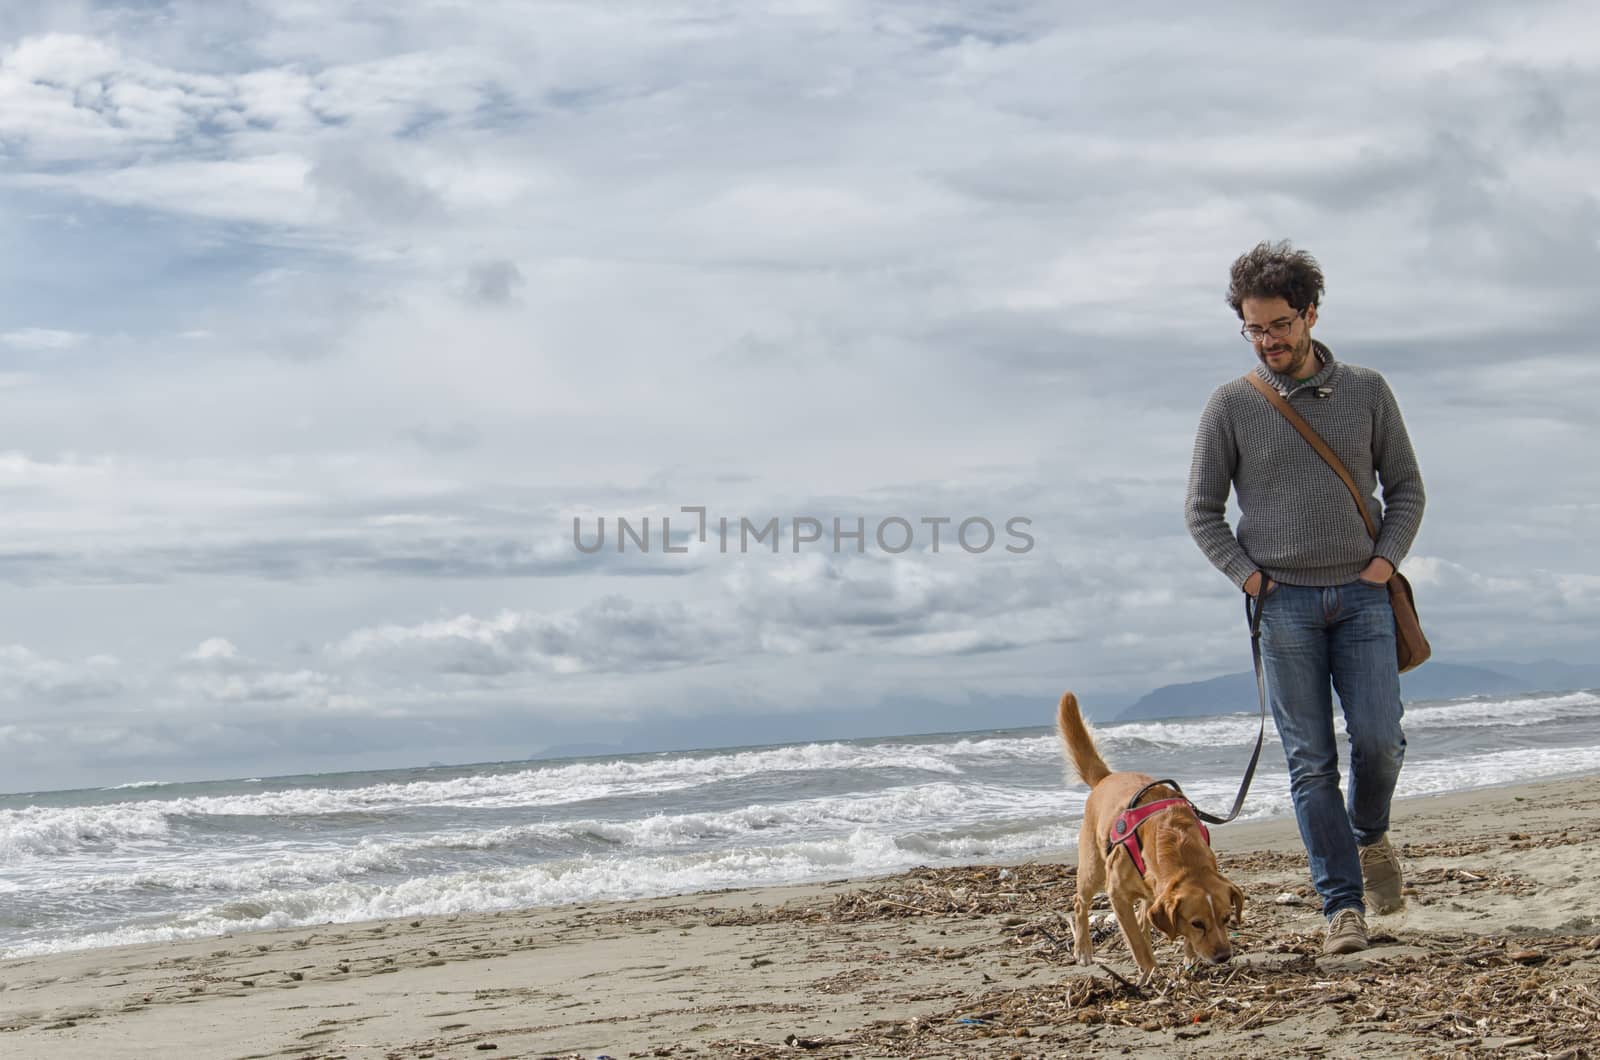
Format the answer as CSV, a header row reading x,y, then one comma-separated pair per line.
x,y
1218,695
1448,680
1433,680
1548,675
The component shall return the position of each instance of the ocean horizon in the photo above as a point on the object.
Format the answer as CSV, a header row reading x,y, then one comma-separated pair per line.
x,y
152,861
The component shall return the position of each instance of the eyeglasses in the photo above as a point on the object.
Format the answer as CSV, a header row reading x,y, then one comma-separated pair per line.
x,y
1278,329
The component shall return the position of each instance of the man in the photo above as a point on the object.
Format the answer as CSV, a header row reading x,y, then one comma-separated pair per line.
x,y
1303,550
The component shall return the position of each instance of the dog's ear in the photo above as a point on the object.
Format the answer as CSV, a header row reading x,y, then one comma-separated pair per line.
x,y
1160,913
1237,897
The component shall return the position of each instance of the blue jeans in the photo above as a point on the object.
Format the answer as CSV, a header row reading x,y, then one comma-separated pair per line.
x,y
1345,633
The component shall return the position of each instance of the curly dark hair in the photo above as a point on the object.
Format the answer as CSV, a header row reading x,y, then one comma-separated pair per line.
x,y
1275,270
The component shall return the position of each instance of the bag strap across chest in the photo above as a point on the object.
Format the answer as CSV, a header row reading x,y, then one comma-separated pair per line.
x,y
1309,434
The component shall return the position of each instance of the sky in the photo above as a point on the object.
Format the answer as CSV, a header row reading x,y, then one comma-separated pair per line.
x,y
325,323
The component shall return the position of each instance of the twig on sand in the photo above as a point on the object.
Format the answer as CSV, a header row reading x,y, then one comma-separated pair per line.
x,y
1129,984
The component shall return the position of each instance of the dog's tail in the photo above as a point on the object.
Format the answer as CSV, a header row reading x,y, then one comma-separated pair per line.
x,y
1080,748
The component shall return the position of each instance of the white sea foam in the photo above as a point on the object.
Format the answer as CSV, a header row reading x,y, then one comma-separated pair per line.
x,y
42,831
947,804
1224,731
861,852
1235,729
1479,712
866,849
49,830
1022,748
549,786
1043,838
193,867
240,870
1496,767
37,831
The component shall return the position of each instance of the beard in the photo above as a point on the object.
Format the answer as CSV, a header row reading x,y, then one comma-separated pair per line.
x,y
1300,354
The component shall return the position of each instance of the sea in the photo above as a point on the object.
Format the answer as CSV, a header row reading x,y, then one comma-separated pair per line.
x,y
156,861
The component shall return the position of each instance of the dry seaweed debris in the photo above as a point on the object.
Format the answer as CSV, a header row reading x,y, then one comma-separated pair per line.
x,y
1494,991
1454,881
1490,993
1539,996
1572,831
973,890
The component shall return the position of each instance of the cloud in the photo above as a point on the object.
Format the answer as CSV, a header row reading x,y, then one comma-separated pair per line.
x,y
1545,596
264,189
41,340
612,635
452,437
397,544
927,604
28,679
493,282
216,673
65,97
323,324
369,185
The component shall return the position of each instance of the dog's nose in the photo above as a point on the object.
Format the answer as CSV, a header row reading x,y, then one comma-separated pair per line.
x,y
1222,958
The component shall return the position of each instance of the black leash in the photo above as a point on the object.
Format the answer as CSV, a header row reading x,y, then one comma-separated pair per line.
x,y
1253,615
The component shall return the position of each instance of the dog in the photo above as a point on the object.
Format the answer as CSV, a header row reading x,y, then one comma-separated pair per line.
x,y
1181,891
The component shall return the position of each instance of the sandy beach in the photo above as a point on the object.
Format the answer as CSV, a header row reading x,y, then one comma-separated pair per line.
x,y
1497,951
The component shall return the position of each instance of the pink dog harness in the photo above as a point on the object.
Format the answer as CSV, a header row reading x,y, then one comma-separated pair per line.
x,y
1125,829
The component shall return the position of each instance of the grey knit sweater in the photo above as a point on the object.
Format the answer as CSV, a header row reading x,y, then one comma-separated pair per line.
x,y
1297,520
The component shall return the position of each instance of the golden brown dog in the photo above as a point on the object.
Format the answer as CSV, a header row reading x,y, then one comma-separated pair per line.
x,y
1182,891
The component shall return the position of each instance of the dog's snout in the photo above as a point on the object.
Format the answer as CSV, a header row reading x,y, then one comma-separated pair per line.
x,y
1222,958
